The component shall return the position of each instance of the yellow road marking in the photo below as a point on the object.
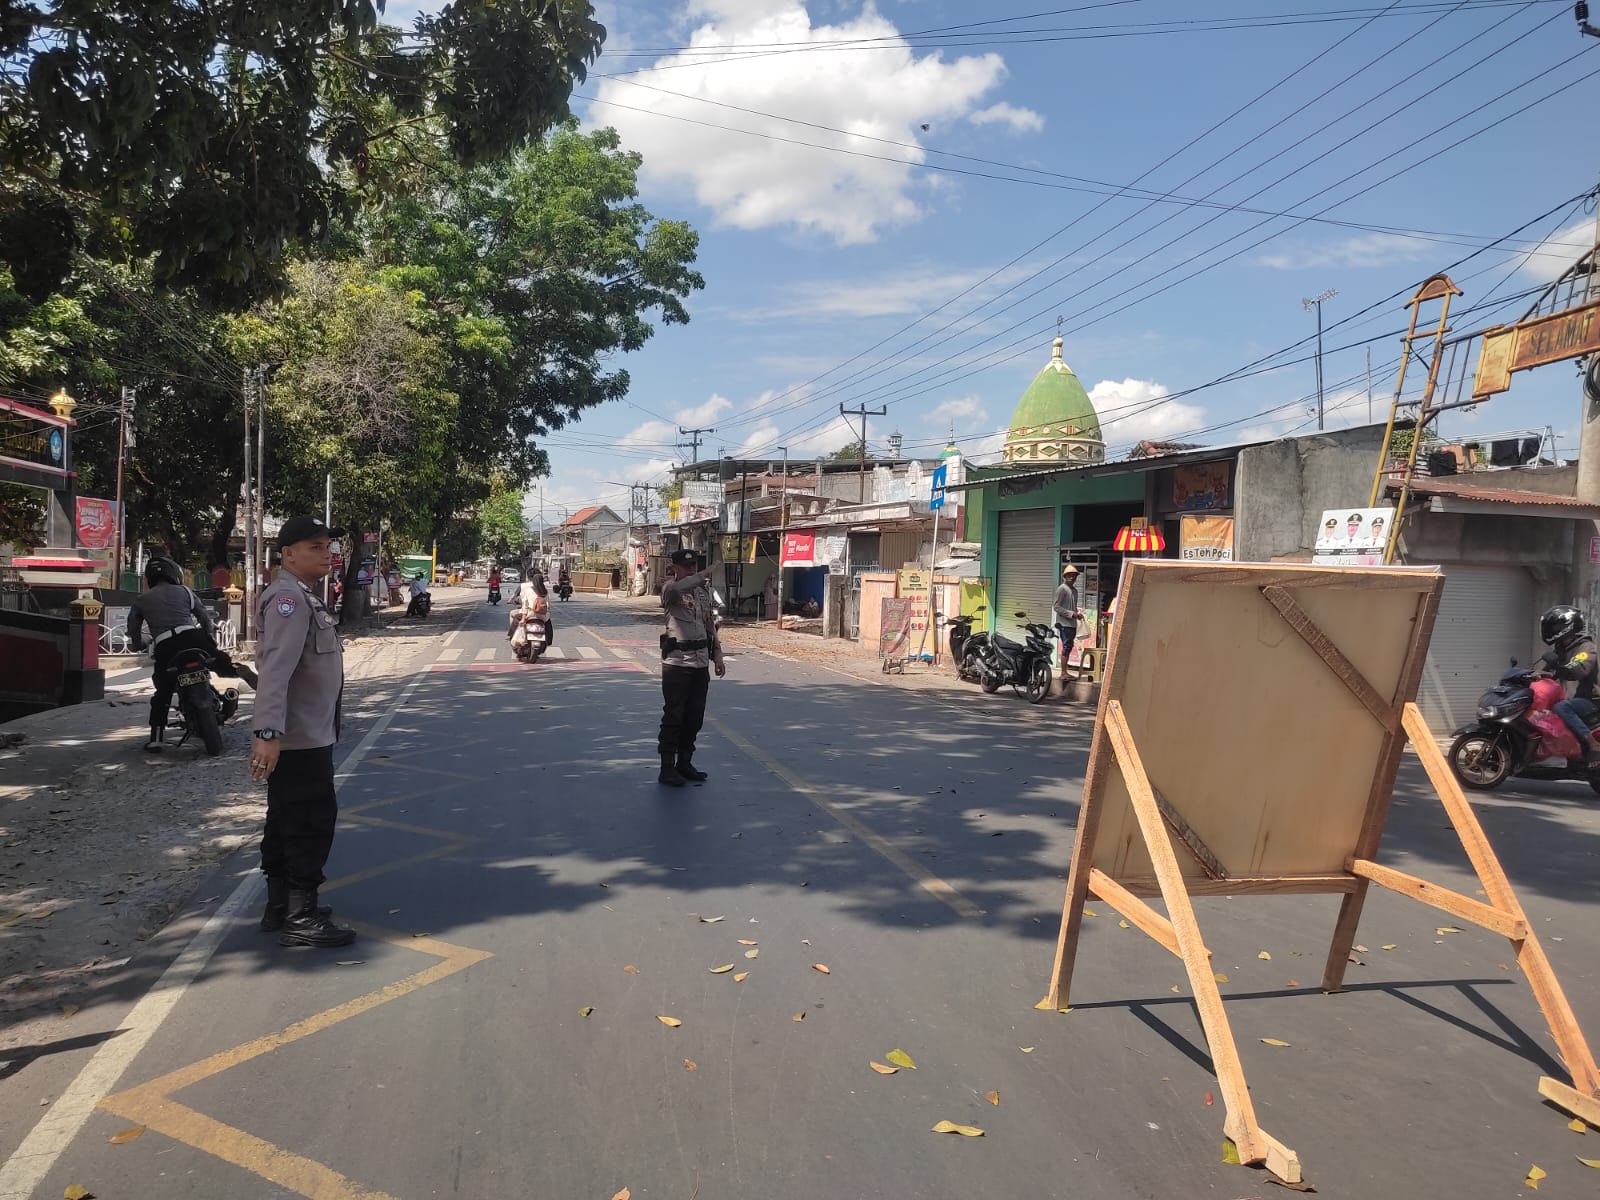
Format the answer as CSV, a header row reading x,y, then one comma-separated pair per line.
x,y
936,887
151,1104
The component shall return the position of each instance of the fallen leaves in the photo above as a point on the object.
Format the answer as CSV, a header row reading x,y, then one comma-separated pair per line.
x,y
689,1064
722,970
1026,1049
901,1059
992,1098
823,967
752,953
1230,1153
1392,946
711,920
126,1136
799,1016
1264,956
1123,925
963,1130
741,976
1273,1042
1089,912
630,969
625,1194
670,1022
1534,1173
1220,977
1441,931
1577,1126
70,1010
1591,1162
586,1011
1362,950
78,1193
881,1069
748,942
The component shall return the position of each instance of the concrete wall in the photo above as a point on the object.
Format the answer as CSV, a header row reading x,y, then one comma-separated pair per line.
x,y
1282,488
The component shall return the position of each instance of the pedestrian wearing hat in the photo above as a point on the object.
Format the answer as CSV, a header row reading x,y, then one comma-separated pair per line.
x,y
1067,613
689,653
301,669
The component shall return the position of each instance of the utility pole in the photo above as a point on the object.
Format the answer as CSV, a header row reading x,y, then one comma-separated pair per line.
x,y
1308,304
783,529
1581,11
249,523
861,456
327,519
1369,385
261,469
694,440
125,410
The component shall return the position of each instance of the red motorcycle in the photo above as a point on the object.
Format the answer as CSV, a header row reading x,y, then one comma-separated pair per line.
x,y
1518,733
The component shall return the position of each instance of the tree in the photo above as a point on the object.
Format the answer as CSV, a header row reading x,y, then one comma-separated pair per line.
x,y
221,132
502,529
850,452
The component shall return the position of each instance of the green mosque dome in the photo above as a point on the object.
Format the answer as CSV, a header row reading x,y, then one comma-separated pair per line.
x,y
1055,421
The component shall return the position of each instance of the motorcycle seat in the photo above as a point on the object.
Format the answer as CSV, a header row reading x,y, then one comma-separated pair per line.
x,y
1004,643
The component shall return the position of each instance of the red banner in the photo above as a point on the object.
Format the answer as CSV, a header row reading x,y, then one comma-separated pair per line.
x,y
97,523
799,548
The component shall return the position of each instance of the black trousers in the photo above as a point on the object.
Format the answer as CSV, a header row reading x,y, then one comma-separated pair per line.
x,y
683,709
165,652
301,813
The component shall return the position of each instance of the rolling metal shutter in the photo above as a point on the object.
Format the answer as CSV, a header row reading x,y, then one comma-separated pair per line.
x,y
1485,619
1027,568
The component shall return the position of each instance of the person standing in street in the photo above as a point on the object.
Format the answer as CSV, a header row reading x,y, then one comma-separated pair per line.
x,y
689,653
1066,610
301,671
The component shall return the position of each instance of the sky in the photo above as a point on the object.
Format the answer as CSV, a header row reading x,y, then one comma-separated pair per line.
x,y
900,204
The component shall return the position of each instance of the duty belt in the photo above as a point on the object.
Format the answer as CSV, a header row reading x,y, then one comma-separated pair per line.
x,y
700,645
161,637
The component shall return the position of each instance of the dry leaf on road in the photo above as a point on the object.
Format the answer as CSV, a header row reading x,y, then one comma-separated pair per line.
x,y
1230,1153
1392,946
631,969
1089,912
670,1022
992,1097
823,967
963,1130
901,1059
1534,1175
722,970
625,1194
748,942
1220,977
883,1070
1444,929
78,1193
126,1136
752,954
1273,1042
711,920
586,1011
1577,1126
689,1064
1264,956
68,1010
799,1016
1026,1049
1591,1162
741,976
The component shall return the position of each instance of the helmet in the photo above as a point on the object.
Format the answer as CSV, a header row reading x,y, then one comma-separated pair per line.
x,y
1560,624
161,569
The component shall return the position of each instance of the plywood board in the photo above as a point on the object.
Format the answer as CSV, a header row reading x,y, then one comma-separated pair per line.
x,y
1242,728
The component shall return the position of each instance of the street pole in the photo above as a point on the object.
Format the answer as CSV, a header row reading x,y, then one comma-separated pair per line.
x,y
261,470
783,529
1369,385
249,524
933,558
1315,302
327,519
122,448
861,458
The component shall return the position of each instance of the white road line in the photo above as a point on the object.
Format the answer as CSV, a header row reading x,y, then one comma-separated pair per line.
x,y
450,655
486,655
588,652
22,1173
627,654
451,640
555,652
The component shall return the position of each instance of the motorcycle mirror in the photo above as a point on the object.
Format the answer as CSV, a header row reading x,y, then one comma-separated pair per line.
x,y
1513,660
937,613
1021,616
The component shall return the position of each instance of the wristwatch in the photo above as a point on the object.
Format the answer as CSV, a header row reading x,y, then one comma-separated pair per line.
x,y
266,735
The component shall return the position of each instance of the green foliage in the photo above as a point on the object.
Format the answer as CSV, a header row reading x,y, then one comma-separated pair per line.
x,y
847,453
219,133
502,529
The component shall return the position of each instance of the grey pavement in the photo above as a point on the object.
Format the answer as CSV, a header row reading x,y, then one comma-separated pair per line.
x,y
513,863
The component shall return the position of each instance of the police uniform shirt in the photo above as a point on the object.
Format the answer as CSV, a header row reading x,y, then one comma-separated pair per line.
x,y
300,664
1578,666
167,606
688,605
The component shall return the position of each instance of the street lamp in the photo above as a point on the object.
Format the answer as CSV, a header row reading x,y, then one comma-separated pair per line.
x,y
1315,302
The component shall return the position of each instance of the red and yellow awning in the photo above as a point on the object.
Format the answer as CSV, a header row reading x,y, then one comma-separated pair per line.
x,y
1135,540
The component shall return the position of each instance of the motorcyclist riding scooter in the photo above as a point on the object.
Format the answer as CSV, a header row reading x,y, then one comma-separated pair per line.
x,y
178,622
1574,659
421,599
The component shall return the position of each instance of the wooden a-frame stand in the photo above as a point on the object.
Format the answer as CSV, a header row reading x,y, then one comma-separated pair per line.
x,y
1167,835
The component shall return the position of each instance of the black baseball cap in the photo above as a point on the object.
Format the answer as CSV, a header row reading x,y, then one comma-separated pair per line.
x,y
303,529
684,558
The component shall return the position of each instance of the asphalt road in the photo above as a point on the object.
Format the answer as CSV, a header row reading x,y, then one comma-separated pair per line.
x,y
513,864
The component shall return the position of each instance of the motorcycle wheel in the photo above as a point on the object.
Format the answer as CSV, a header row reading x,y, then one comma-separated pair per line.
x,y
201,717
1480,761
990,682
1039,682
969,668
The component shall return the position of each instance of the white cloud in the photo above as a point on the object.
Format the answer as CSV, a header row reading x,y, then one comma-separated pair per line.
x,y
757,182
704,414
1133,410
650,436
1559,251
1360,252
883,294
961,408
1023,120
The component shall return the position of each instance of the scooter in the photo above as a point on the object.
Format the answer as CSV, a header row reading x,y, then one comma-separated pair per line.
x,y
1024,665
197,706
564,589
421,600
494,593
531,644
1517,733
967,648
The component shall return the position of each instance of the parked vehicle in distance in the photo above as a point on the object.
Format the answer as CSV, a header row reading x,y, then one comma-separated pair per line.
x,y
510,575
1024,665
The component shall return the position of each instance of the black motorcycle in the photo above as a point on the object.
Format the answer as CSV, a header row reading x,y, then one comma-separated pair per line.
x,y
198,707
967,648
564,589
494,593
1024,665
1517,733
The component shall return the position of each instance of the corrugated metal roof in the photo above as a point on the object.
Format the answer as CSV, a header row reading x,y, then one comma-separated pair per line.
x,y
1118,466
1449,485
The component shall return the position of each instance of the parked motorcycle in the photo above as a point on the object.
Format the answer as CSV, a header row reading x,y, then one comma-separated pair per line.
x,y
1517,733
197,706
529,644
1024,665
967,648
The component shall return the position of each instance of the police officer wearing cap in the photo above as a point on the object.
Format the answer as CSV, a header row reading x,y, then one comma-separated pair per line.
x,y
301,670
689,652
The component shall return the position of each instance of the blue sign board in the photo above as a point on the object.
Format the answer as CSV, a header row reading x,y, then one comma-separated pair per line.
x,y
936,498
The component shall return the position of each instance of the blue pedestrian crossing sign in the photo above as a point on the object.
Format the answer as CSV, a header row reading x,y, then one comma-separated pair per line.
x,y
936,497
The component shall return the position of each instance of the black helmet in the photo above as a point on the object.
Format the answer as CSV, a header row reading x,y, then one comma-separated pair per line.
x,y
161,569
1560,624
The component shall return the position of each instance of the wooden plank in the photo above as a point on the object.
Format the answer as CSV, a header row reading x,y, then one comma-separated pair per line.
x,y
1209,863
1325,649
1248,885
1139,914
1570,1099
1382,791
1569,1039
1261,575
1444,899
1241,1115
1282,1161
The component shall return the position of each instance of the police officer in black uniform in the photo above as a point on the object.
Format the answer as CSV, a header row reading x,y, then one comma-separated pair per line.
x,y
1573,659
296,724
177,621
689,652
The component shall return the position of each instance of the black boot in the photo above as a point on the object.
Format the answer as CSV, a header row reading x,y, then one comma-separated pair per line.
x,y
157,742
246,673
307,926
669,772
277,910
687,769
